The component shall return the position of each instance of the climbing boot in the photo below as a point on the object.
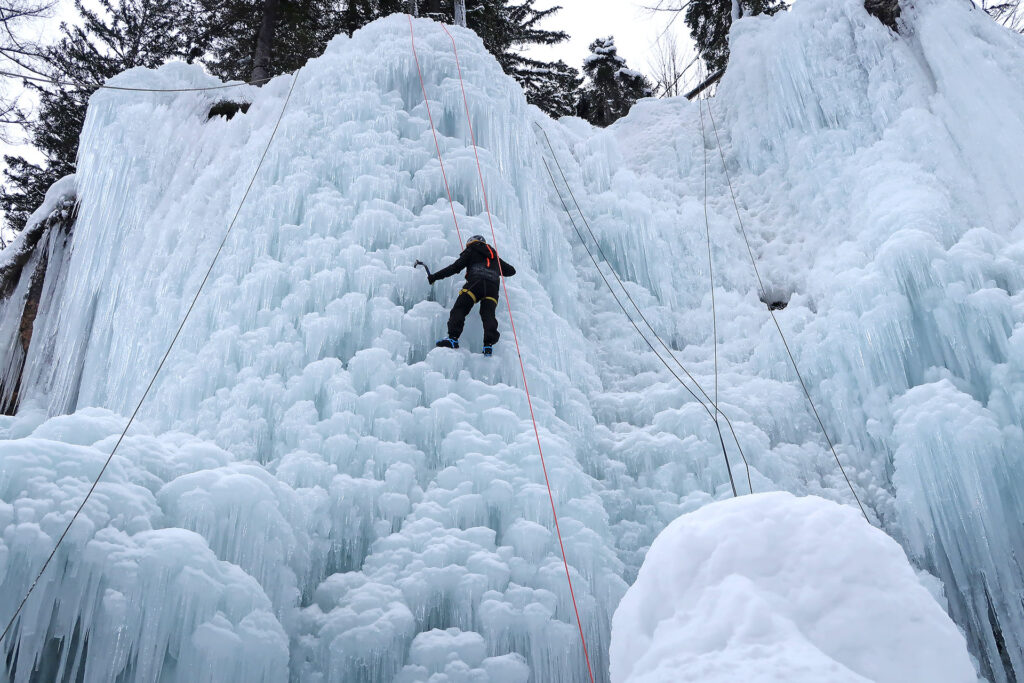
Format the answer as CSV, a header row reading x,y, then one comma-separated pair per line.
x,y
488,350
447,343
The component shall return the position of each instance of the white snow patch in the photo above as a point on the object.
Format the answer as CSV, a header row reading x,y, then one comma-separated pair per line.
x,y
771,587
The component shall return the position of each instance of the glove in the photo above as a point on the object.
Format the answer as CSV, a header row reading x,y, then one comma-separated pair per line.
x,y
430,279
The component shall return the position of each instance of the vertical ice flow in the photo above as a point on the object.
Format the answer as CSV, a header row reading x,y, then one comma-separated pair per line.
x,y
315,489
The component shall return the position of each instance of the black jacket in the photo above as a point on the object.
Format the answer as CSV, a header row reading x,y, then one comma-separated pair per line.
x,y
481,264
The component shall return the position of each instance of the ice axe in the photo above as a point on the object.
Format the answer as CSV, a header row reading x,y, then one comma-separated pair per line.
x,y
421,263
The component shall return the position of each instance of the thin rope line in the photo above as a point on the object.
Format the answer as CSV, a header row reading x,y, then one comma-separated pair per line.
x,y
615,273
764,296
707,231
522,365
437,146
711,269
96,86
163,360
640,312
635,326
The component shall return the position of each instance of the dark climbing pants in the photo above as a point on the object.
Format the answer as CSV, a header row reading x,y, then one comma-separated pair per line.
x,y
484,293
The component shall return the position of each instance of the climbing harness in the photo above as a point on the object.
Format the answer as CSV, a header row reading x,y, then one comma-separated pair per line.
x,y
640,313
163,360
522,366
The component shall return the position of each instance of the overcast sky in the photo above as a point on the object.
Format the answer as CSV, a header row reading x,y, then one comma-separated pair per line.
x,y
635,29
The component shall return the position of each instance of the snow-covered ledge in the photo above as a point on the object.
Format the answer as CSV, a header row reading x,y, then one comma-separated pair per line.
x,y
772,587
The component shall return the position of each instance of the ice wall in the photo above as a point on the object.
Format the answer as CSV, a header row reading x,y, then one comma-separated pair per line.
x,y
356,505
31,271
770,587
878,176
369,500
914,278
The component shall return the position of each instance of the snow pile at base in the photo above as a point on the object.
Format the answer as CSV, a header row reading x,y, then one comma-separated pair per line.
x,y
354,504
771,587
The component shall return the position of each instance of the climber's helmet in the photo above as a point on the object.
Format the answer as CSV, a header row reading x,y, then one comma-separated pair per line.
x,y
476,238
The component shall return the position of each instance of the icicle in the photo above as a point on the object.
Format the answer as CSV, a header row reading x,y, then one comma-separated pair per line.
x,y
314,482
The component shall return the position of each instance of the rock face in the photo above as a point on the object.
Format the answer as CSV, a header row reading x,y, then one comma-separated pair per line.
x,y
887,11
27,266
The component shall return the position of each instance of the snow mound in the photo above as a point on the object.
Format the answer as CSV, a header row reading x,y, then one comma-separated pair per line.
x,y
772,587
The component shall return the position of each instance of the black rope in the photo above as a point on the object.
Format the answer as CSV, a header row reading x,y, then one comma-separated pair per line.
x,y
633,322
764,296
94,86
640,312
167,353
707,232
711,275
611,289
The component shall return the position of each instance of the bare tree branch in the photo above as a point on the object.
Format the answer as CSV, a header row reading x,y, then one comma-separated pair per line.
x,y
18,55
708,82
666,66
1009,14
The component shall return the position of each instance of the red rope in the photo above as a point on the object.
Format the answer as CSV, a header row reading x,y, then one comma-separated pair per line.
x,y
434,131
522,367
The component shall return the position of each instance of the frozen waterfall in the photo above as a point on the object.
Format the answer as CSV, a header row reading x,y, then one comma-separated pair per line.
x,y
312,491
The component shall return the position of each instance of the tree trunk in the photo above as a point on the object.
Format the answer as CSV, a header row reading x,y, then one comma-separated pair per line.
x,y
432,9
460,13
264,41
708,82
414,8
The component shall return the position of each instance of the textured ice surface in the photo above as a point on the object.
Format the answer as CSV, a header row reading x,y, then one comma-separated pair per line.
x,y
32,266
771,587
353,503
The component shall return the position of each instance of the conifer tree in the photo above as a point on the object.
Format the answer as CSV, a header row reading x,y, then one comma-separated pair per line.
x,y
554,87
120,35
507,26
301,29
612,87
357,13
305,26
710,21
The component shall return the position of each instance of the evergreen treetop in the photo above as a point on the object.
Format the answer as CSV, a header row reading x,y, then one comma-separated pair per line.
x,y
506,27
301,31
612,87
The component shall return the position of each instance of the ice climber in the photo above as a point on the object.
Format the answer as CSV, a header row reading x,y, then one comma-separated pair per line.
x,y
483,278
